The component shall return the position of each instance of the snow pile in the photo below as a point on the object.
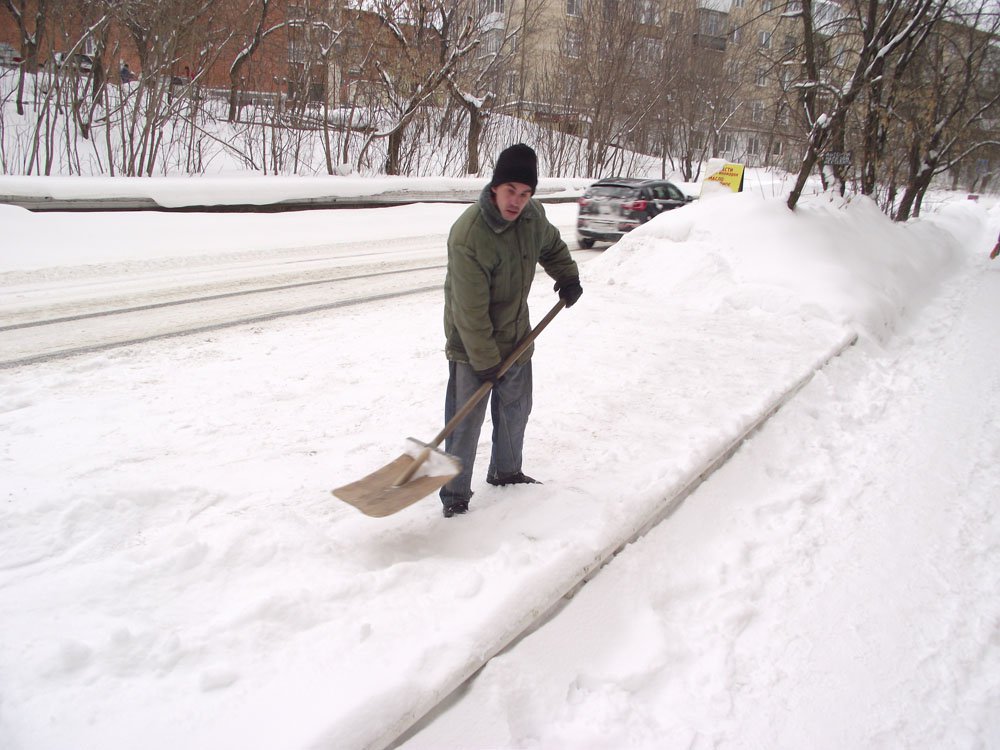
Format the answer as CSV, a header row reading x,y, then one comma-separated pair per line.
x,y
842,262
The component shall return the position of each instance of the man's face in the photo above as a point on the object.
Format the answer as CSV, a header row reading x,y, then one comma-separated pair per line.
x,y
511,198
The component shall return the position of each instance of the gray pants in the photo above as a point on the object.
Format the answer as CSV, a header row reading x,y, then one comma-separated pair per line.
x,y
510,405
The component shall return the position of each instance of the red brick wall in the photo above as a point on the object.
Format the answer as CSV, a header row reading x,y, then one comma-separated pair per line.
x,y
268,70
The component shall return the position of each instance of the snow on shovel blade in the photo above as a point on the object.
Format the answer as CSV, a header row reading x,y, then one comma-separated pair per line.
x,y
393,487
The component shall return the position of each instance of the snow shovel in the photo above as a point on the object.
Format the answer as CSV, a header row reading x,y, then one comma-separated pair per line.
x,y
401,483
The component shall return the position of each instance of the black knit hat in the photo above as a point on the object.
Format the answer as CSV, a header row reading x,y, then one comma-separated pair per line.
x,y
517,163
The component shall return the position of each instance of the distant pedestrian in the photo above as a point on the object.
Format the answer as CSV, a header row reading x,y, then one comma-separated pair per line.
x,y
125,73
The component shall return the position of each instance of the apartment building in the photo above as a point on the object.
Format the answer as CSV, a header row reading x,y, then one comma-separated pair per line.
x,y
710,77
696,77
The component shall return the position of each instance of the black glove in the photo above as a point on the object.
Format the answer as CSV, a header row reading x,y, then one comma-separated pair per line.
x,y
569,291
489,375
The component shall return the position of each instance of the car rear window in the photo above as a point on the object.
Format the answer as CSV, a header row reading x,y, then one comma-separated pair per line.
x,y
611,191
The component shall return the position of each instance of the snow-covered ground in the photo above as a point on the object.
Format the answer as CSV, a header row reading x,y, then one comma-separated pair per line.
x,y
174,571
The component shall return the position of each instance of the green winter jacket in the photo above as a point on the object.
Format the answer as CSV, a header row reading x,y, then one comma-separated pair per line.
x,y
491,264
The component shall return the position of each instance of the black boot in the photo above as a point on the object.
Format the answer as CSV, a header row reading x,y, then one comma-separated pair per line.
x,y
455,508
517,477
452,504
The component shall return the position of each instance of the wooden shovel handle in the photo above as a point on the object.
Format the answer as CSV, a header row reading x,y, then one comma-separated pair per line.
x,y
480,393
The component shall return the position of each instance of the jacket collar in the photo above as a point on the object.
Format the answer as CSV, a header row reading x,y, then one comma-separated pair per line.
x,y
491,213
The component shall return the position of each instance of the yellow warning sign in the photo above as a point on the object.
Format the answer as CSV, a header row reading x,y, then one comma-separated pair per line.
x,y
721,174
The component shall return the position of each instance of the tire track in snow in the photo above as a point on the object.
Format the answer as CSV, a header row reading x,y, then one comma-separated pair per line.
x,y
59,350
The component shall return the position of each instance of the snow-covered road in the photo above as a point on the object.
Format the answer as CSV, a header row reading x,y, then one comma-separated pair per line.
x,y
96,323
51,313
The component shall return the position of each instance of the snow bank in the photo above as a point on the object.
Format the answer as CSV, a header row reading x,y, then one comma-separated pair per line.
x,y
844,262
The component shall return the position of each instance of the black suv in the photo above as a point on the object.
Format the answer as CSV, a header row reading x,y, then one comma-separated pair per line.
x,y
611,207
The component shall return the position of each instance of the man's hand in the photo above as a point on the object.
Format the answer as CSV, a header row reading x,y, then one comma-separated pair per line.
x,y
489,375
569,291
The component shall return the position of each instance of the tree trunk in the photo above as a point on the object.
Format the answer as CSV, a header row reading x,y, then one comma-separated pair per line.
x,y
237,66
477,117
871,139
475,132
20,88
393,146
805,169
909,204
905,206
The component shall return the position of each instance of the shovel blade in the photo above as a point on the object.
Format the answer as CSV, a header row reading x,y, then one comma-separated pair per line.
x,y
377,496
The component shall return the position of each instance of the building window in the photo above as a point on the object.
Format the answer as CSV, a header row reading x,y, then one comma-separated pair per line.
x,y
765,39
766,6
756,111
296,37
492,41
492,6
735,34
648,50
777,149
753,145
511,84
605,49
574,8
712,23
573,43
649,12
761,79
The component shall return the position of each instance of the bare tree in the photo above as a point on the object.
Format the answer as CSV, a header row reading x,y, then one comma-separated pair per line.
x,y
473,84
599,81
30,31
416,28
958,89
78,28
888,82
175,42
259,31
881,28
703,80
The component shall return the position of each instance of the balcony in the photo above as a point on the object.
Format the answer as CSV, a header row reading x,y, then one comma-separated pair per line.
x,y
710,41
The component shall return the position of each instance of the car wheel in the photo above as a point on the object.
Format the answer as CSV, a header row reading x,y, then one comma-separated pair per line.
x,y
586,242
